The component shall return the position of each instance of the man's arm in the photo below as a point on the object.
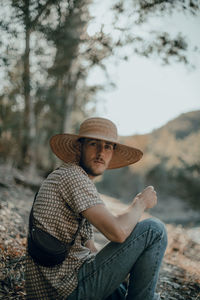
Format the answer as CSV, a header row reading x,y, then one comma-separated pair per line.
x,y
118,228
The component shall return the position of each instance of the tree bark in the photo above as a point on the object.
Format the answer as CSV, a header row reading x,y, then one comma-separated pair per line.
x,y
29,146
26,80
70,101
68,111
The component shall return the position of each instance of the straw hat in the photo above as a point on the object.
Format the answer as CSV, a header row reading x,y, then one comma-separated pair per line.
x,y
65,146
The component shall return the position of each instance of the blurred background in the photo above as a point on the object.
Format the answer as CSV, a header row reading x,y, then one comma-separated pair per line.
x,y
135,62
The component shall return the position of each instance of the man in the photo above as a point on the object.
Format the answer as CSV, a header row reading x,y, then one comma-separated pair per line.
x,y
67,196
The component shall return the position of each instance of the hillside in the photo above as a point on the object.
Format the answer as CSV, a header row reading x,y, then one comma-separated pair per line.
x,y
171,163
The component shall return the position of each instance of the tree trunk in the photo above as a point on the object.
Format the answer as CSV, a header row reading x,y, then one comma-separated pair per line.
x,y
26,80
68,112
28,150
69,102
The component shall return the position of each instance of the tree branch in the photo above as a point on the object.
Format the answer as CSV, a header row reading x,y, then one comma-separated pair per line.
x,y
34,22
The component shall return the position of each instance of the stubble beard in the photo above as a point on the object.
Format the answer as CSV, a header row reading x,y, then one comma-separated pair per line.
x,y
90,170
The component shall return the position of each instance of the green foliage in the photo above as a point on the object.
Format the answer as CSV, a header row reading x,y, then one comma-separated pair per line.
x,y
160,43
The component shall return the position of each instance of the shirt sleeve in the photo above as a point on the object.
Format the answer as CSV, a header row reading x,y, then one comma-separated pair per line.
x,y
78,190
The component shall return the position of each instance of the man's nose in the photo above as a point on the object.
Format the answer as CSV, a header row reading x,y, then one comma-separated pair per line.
x,y
100,149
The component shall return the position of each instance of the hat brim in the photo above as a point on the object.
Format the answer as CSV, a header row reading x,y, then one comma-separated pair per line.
x,y
64,146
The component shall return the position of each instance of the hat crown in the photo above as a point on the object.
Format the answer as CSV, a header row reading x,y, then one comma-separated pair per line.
x,y
99,128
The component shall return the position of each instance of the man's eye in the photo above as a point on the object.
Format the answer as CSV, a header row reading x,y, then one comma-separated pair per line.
x,y
93,143
108,147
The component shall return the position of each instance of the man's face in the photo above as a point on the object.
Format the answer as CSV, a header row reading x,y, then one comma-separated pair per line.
x,y
95,156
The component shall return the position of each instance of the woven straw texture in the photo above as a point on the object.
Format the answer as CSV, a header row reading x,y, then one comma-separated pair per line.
x,y
66,146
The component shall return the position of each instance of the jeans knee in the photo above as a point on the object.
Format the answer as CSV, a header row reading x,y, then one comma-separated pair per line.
x,y
157,225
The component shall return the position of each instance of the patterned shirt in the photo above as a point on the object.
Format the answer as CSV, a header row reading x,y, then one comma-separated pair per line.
x,y
64,194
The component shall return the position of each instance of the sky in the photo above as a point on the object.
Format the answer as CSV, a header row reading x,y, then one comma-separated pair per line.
x,y
148,94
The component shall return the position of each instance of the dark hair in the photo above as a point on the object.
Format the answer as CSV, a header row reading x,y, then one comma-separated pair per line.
x,y
81,140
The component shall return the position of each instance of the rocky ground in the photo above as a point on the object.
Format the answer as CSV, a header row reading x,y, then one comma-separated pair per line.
x,y
180,273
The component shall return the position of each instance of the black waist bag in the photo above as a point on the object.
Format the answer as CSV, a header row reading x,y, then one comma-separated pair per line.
x,y
45,249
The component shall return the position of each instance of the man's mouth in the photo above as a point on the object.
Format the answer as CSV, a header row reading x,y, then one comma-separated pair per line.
x,y
99,161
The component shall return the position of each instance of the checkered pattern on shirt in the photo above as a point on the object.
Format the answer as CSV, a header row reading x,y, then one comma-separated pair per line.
x,y
65,193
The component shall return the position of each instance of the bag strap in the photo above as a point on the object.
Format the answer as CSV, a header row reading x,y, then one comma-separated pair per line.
x,y
77,232
31,221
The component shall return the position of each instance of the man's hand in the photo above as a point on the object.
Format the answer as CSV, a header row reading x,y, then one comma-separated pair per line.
x,y
147,197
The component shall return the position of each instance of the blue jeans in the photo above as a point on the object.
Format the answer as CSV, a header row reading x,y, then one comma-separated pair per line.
x,y
140,257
